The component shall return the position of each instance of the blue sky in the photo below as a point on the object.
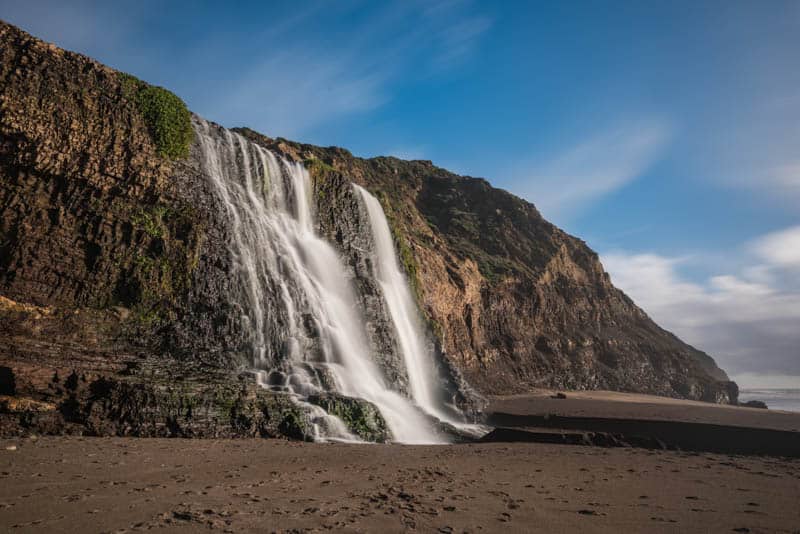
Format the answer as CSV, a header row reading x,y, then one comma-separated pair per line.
x,y
665,134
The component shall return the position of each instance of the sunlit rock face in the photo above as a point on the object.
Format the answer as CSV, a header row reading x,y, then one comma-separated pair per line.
x,y
299,302
119,262
513,301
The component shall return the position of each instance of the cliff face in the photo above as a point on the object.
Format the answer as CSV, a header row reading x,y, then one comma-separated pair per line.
x,y
515,302
92,217
113,266
126,250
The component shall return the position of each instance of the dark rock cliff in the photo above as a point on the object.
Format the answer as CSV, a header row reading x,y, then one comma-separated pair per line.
x,y
113,264
515,302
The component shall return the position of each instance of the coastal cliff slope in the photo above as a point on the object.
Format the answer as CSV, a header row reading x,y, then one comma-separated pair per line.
x,y
115,272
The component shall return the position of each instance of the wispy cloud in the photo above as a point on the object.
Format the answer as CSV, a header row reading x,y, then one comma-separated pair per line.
x,y
769,172
458,40
755,148
594,167
82,25
748,319
780,248
292,73
763,381
293,91
296,83
786,179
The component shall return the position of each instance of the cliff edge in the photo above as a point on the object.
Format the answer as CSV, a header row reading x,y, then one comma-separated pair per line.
x,y
114,271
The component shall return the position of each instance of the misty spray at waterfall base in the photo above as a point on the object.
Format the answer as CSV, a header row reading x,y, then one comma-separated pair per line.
x,y
300,306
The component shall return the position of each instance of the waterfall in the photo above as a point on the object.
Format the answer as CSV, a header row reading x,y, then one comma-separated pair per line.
x,y
297,298
424,382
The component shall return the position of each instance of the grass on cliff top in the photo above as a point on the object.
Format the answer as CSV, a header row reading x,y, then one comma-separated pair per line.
x,y
317,165
166,116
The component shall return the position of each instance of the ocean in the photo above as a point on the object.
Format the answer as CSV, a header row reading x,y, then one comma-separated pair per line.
x,y
776,399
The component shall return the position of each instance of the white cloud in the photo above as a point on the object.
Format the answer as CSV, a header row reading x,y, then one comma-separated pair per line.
x,y
300,69
293,91
81,25
458,40
300,82
595,167
750,322
780,248
755,148
787,177
756,381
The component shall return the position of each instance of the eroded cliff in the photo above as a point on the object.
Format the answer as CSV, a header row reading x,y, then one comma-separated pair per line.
x,y
515,302
126,250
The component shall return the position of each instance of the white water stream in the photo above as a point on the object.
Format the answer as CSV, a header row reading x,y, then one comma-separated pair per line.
x,y
297,297
426,387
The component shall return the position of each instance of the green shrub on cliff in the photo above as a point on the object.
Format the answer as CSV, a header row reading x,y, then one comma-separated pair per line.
x,y
166,116
317,166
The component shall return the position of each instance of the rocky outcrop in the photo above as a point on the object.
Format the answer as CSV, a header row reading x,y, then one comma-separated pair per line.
x,y
114,266
74,372
515,302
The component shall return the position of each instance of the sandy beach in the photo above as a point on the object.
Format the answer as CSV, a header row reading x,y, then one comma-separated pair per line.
x,y
175,485
53,484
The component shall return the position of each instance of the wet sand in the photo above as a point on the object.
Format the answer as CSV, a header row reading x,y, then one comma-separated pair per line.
x,y
620,419
611,404
57,484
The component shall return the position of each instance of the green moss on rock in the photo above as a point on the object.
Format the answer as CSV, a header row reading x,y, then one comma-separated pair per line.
x,y
361,417
151,220
160,399
160,272
165,114
316,166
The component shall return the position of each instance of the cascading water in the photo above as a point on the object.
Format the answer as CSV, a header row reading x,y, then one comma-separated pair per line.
x,y
297,299
424,382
